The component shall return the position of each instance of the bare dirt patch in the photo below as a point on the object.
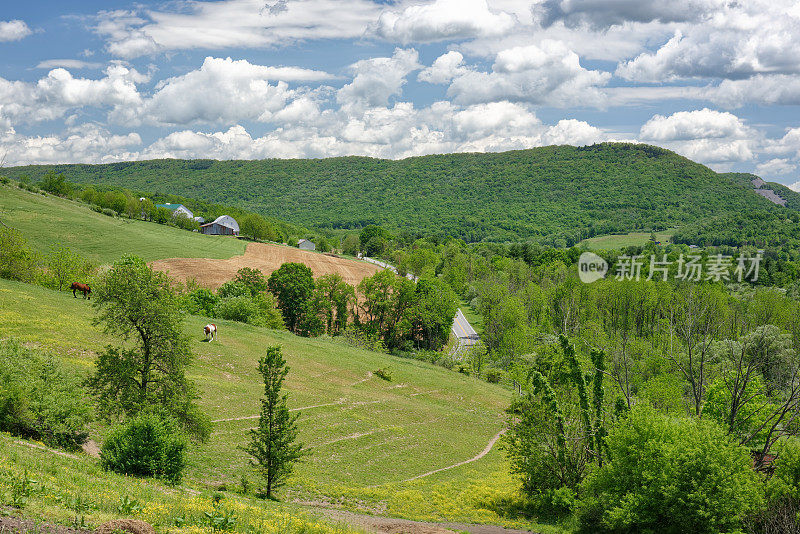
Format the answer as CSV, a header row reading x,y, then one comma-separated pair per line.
x,y
213,273
23,526
391,525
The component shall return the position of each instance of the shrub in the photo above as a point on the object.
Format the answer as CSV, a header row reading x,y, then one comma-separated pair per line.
x,y
241,309
39,400
785,481
384,373
17,260
269,314
494,375
670,475
201,302
109,212
252,279
782,513
233,288
149,445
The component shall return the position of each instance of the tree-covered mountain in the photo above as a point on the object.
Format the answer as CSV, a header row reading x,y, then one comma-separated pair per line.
x,y
557,194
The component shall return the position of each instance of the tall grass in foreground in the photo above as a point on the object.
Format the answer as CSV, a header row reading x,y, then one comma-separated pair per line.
x,y
74,491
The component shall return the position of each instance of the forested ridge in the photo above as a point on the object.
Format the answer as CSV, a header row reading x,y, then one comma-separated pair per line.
x,y
554,195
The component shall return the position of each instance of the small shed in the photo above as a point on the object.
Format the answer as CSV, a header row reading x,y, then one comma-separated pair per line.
x,y
178,210
222,225
305,244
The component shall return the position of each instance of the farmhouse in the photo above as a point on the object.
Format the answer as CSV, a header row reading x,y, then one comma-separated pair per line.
x,y
177,210
305,244
222,225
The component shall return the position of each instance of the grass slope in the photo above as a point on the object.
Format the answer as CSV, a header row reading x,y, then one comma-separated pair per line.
x,y
72,490
367,436
558,194
48,221
617,242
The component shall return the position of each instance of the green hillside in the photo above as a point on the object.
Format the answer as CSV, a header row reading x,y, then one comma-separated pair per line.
x,y
48,221
556,194
367,436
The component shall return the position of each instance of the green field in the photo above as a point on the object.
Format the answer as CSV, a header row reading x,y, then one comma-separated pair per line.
x,y
367,436
74,491
617,242
48,221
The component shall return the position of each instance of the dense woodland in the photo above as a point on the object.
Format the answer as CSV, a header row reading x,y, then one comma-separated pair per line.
x,y
554,195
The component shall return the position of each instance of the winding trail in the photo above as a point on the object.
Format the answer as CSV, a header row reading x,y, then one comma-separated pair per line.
x,y
480,455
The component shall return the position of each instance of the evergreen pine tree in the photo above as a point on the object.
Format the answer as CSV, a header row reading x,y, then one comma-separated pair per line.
x,y
273,449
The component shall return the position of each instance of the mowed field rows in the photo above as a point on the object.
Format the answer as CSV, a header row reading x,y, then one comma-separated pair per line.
x,y
362,431
212,273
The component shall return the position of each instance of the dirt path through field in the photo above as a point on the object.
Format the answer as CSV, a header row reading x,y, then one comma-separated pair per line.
x,y
475,458
392,525
213,273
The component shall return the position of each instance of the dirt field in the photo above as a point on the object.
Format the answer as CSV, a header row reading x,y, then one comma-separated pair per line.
x,y
213,273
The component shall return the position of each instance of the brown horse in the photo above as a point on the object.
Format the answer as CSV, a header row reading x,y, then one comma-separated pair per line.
x,y
84,288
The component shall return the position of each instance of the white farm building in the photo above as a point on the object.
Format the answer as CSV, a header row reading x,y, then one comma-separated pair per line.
x,y
222,225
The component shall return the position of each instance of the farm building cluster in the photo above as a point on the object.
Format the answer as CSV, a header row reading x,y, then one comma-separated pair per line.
x,y
222,225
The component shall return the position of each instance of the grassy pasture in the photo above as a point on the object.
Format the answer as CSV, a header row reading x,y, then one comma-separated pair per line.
x,y
366,436
616,242
72,490
48,221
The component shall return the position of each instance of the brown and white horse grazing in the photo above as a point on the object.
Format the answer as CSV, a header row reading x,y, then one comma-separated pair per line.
x,y
84,288
210,330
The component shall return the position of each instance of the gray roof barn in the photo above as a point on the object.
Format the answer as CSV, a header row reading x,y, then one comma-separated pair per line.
x,y
222,225
305,244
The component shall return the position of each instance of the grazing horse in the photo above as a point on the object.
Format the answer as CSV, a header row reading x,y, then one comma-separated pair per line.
x,y
210,330
84,288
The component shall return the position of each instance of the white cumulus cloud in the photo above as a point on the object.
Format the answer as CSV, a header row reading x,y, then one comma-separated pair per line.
x,y
444,68
549,73
376,80
13,30
223,91
705,135
443,19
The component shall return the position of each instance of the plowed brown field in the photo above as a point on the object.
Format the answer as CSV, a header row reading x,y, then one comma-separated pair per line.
x,y
213,273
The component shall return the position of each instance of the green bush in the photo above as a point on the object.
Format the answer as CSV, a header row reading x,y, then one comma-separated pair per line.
x,y
242,309
39,400
669,475
785,482
201,302
233,288
782,513
149,445
269,314
18,261
494,375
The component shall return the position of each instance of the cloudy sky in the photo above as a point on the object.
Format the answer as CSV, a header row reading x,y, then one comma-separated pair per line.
x,y
105,80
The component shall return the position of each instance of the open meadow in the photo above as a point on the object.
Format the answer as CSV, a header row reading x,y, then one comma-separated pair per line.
x,y
369,439
47,221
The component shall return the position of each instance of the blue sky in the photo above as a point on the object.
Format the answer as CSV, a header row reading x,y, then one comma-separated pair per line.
x,y
91,81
